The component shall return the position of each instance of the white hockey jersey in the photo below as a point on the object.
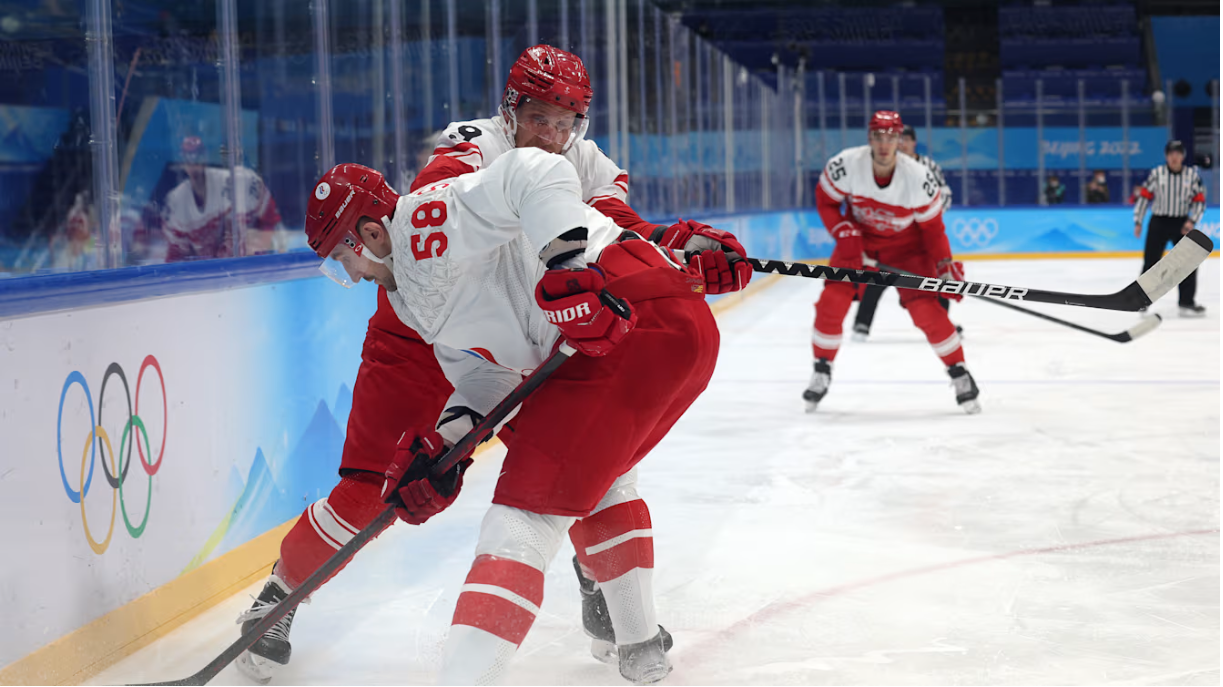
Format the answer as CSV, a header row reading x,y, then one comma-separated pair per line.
x,y
207,232
466,263
465,147
912,196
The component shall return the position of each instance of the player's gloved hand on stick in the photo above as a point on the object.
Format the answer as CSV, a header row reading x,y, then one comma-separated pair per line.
x,y
592,320
848,251
950,270
410,484
713,254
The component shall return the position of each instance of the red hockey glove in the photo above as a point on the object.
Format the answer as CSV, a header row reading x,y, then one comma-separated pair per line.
x,y
950,270
713,254
848,251
592,320
410,485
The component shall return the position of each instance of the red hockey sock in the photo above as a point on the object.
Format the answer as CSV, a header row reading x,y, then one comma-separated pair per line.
x,y
930,317
830,313
328,524
500,596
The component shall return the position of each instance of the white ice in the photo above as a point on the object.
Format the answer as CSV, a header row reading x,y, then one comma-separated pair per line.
x,y
1067,535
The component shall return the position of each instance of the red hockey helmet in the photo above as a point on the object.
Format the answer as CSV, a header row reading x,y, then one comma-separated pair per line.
x,y
549,75
341,197
886,121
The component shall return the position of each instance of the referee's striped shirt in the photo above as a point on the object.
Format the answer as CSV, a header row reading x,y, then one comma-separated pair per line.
x,y
1174,195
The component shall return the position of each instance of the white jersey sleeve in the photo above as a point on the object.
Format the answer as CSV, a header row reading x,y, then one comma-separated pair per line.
x,y
601,177
466,255
478,384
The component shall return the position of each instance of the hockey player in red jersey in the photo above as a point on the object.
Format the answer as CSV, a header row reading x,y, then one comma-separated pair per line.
x,y
400,384
893,214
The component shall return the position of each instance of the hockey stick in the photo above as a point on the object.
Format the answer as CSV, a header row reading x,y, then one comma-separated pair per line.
x,y
1163,276
1146,325
466,445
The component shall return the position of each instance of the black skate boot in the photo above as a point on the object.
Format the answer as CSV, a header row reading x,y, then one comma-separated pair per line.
x,y
966,391
861,332
645,663
272,649
596,621
821,379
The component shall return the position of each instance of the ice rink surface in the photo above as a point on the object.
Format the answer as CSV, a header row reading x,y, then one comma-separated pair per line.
x,y
1066,535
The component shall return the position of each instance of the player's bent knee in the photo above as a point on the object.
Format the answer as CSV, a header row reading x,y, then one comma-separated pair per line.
x,y
623,490
328,524
522,536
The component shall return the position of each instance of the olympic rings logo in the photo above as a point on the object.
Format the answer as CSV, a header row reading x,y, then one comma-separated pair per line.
x,y
97,438
975,231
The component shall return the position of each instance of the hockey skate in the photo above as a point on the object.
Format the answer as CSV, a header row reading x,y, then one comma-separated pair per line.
x,y
861,332
272,649
596,621
1194,310
821,379
647,662
966,391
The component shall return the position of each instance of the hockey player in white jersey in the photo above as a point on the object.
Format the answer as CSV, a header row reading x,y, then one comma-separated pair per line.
x,y
868,298
197,215
893,214
494,268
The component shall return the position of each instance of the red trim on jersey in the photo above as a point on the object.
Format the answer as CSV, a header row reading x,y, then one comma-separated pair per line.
x,y
882,182
1199,198
1145,193
828,208
624,216
825,180
440,168
622,181
486,354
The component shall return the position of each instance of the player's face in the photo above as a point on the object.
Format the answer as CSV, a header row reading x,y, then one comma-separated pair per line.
x,y
883,146
908,146
195,171
544,126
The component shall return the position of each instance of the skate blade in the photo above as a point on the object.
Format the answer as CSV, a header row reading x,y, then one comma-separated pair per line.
x,y
604,651
650,675
1191,315
859,337
256,668
971,407
812,406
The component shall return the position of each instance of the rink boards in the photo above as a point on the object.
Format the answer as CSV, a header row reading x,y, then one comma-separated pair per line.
x,y
236,394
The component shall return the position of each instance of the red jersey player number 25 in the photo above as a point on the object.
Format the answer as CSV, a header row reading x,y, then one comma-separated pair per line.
x,y
426,215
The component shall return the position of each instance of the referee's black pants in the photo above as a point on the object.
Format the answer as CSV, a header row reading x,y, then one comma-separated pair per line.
x,y
1161,230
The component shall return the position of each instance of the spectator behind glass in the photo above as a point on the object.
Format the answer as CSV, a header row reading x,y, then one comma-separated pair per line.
x,y
1055,193
197,216
1097,188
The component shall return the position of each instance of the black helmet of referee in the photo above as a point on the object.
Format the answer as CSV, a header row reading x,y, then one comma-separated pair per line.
x,y
1174,145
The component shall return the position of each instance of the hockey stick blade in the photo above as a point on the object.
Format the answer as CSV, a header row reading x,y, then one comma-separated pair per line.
x,y
1179,263
461,450
1184,257
1144,326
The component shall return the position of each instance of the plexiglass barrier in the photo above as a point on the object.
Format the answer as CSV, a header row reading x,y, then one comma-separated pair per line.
x,y
130,136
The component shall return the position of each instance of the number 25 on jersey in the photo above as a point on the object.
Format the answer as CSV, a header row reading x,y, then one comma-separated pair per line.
x,y
431,214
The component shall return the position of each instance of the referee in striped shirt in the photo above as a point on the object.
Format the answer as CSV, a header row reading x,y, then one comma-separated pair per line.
x,y
1178,199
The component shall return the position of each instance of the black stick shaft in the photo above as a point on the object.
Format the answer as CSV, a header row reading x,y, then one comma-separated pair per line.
x,y
461,450
1132,298
1012,306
